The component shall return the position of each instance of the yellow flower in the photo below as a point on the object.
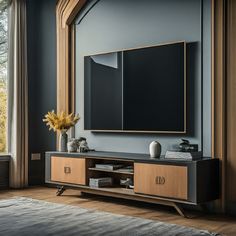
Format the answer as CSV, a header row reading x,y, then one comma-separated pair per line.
x,y
59,122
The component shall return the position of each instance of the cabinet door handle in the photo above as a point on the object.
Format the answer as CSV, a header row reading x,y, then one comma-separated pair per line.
x,y
160,180
67,170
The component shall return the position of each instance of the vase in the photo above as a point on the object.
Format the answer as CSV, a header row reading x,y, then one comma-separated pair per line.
x,y
155,149
63,137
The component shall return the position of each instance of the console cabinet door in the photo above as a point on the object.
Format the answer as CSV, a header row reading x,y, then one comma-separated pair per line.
x,y
161,180
68,170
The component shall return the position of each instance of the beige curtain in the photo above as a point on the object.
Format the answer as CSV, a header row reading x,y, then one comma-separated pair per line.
x,y
18,94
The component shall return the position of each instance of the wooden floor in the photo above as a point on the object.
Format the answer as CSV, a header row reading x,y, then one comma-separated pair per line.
x,y
214,223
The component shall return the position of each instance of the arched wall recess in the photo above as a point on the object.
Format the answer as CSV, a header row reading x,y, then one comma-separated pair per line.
x,y
66,12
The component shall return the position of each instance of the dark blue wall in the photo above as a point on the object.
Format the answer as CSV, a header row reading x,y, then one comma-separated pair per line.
x,y
41,19
112,25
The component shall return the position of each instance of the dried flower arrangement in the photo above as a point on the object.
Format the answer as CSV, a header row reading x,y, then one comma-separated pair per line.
x,y
60,122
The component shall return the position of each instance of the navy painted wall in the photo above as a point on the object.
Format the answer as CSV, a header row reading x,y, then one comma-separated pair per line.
x,y
41,38
113,25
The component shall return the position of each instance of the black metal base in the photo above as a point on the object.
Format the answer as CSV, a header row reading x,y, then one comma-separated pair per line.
x,y
60,190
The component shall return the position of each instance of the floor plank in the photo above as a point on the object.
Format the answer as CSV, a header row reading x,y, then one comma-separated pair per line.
x,y
214,223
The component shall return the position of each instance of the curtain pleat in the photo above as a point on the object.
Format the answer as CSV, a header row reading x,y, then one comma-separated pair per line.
x,y
18,94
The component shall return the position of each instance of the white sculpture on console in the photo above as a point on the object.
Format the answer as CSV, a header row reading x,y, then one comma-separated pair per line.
x,y
155,149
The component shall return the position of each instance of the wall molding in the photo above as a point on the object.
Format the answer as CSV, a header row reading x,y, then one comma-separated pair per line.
x,y
230,96
219,92
224,98
66,12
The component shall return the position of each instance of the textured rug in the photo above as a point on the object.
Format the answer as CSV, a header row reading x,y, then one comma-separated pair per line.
x,y
25,216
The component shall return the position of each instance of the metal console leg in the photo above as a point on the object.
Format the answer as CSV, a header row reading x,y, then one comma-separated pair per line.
x,y
60,190
179,209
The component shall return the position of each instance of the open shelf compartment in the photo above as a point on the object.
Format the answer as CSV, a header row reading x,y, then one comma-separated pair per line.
x,y
116,175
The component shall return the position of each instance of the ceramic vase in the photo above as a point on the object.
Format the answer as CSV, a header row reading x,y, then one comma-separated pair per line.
x,y
155,149
63,137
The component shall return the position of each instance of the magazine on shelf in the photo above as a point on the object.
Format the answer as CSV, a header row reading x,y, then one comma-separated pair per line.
x,y
108,166
128,169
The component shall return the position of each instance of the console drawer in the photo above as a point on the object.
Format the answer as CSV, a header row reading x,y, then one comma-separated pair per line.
x,y
161,180
68,170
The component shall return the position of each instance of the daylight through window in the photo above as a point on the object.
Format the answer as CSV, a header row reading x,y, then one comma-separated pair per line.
x,y
3,74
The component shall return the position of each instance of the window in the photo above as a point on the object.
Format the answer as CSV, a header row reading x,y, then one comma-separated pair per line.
x,y
3,74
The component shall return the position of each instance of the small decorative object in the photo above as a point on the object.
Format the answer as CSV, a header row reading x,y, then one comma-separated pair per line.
x,y
155,149
83,147
72,145
128,182
61,123
185,146
79,141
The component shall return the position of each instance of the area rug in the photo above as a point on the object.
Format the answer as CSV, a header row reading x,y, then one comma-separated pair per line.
x,y
25,216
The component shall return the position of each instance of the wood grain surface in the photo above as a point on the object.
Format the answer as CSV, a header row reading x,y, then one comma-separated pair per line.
x,y
68,170
215,223
161,180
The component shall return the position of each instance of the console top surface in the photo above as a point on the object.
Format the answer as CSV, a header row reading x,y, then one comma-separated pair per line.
x,y
137,157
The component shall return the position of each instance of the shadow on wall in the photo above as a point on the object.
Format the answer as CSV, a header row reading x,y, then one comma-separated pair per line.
x,y
191,62
192,76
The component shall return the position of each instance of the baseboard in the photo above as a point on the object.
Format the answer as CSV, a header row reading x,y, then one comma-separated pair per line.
x,y
231,208
4,175
35,180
